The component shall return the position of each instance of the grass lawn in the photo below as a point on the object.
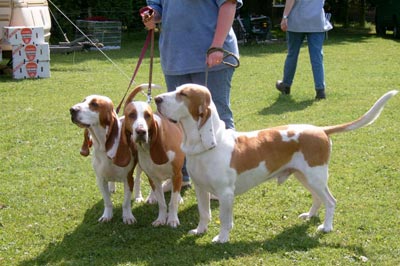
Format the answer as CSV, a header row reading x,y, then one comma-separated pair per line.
x,y
49,201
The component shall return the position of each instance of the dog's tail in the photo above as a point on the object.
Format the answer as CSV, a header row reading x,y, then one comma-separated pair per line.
x,y
365,120
138,89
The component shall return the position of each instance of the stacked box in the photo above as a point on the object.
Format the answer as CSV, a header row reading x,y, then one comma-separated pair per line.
x,y
30,52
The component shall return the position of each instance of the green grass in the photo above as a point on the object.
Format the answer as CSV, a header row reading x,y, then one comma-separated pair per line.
x,y
49,202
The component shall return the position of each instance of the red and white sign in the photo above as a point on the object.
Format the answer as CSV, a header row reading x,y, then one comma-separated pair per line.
x,y
31,52
31,69
23,35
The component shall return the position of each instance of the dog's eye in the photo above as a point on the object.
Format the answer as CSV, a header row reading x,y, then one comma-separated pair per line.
x,y
132,116
94,104
181,93
147,116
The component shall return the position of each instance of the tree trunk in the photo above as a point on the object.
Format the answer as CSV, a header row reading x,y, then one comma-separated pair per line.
x,y
362,13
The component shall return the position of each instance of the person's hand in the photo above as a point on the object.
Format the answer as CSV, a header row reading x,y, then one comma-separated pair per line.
x,y
148,18
284,24
214,58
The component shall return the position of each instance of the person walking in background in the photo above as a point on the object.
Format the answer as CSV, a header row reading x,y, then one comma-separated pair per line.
x,y
192,36
304,19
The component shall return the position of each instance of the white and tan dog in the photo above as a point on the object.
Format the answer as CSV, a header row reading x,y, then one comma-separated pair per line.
x,y
103,130
227,163
157,141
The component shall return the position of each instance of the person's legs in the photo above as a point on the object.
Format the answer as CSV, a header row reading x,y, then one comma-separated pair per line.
x,y
219,84
294,42
315,43
173,81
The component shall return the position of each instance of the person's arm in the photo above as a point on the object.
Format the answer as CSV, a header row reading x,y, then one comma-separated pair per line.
x,y
288,7
226,14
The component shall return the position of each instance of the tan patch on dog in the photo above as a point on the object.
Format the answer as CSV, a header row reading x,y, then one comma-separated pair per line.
x,y
269,147
197,100
315,146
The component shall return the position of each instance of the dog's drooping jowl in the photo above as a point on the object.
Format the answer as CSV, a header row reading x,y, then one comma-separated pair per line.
x,y
102,126
228,163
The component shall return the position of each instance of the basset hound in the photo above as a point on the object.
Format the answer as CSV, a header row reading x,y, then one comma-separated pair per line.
x,y
228,163
102,126
157,141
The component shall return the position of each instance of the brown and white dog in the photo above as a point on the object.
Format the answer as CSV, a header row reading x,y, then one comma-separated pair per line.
x,y
227,163
157,141
103,130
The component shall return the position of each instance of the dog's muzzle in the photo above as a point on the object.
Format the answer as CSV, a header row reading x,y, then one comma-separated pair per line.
x,y
74,118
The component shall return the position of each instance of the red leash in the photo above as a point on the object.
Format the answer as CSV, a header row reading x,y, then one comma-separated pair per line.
x,y
146,13
142,54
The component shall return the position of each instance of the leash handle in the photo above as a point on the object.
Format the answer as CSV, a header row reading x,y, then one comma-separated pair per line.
x,y
226,55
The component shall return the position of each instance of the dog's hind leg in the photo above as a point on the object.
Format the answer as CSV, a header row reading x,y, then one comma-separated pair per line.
x,y
317,181
316,201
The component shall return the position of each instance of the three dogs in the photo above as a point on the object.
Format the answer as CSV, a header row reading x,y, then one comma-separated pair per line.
x,y
223,162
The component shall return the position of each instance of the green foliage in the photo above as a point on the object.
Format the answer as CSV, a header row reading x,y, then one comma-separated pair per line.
x,y
49,202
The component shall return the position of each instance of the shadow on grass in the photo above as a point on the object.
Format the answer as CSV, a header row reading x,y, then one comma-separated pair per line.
x,y
115,243
285,103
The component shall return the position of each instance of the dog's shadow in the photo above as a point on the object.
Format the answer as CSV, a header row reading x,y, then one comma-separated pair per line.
x,y
115,243
285,103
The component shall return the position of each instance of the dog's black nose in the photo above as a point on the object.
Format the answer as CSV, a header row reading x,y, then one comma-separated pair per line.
x,y
72,111
158,100
140,132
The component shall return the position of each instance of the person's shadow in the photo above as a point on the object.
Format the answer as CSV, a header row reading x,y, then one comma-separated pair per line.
x,y
285,103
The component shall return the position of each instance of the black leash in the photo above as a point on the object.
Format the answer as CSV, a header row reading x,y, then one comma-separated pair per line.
x,y
226,55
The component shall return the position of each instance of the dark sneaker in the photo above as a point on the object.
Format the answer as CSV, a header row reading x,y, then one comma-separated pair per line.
x,y
320,95
284,89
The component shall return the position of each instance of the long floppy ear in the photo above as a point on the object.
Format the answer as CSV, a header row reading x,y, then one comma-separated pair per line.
x,y
204,110
87,143
205,124
123,155
112,132
157,150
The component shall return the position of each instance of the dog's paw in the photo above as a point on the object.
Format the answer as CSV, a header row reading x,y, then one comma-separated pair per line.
x,y
139,199
151,199
107,215
197,231
220,239
321,228
173,222
158,222
305,216
128,218
111,187
105,219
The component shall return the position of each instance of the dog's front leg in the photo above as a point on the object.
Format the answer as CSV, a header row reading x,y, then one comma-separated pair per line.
x,y
127,216
108,206
162,206
225,216
136,186
173,219
203,204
